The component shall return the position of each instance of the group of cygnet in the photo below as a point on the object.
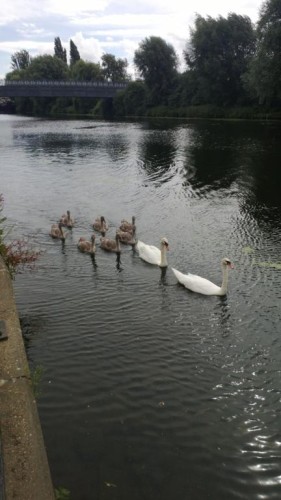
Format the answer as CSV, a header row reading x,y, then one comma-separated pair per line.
x,y
149,253
125,234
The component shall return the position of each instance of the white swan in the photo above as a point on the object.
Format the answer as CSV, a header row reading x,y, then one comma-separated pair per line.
x,y
152,254
87,246
202,285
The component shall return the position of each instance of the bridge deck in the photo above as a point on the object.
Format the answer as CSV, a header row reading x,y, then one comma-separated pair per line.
x,y
60,89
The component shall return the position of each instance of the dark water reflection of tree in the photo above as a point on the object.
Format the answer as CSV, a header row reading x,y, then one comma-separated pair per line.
x,y
248,156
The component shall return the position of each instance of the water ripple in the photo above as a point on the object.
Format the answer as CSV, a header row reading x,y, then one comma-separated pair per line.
x,y
157,390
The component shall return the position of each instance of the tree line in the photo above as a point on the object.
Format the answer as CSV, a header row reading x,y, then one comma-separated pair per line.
x,y
230,63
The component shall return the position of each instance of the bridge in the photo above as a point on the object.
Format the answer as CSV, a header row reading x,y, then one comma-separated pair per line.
x,y
49,88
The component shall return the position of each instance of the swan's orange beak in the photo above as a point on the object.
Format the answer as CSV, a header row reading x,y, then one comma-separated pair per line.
x,y
231,266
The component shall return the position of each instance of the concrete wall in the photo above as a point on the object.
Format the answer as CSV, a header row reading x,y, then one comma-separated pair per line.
x,y
25,465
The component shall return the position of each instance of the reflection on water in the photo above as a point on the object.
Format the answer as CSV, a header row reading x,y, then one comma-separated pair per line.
x,y
158,151
150,391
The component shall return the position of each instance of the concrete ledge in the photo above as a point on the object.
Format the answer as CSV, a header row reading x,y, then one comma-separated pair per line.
x,y
26,469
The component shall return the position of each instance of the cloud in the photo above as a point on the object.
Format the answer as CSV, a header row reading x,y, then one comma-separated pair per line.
x,y
29,30
34,47
90,49
115,26
69,8
15,10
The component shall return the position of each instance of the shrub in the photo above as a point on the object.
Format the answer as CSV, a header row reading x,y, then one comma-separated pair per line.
x,y
16,255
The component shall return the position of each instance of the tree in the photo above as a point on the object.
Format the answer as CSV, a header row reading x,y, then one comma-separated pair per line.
x,y
74,53
60,52
184,91
156,62
43,67
46,67
132,100
20,60
264,76
218,54
114,70
86,71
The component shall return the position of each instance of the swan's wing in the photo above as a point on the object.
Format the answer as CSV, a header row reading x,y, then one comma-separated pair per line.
x,y
84,245
145,247
149,253
107,243
139,245
196,283
126,237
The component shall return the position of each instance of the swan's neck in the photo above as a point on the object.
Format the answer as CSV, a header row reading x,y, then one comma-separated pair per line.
x,y
117,245
163,260
224,280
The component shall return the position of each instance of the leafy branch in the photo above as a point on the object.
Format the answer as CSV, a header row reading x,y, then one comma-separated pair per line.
x,y
16,254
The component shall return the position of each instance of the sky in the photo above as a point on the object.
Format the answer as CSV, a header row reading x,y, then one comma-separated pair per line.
x,y
105,26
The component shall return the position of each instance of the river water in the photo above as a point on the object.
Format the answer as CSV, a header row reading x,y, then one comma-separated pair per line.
x,y
149,391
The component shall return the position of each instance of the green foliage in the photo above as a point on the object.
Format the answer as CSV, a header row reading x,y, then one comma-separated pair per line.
x,y
62,493
185,89
20,60
60,105
248,250
43,67
264,76
270,265
113,69
156,62
232,71
218,54
118,104
132,101
17,74
46,67
269,23
36,376
74,53
84,106
43,106
103,109
86,71
24,105
206,111
59,51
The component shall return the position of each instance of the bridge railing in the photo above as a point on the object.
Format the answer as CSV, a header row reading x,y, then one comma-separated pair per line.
x,y
63,83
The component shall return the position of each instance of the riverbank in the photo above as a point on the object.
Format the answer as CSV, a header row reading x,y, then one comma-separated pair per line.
x,y
199,112
6,105
26,474
215,112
